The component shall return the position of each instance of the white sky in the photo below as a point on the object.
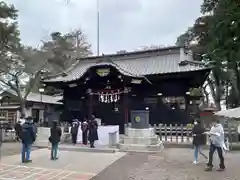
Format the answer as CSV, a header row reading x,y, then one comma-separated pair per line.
x,y
124,24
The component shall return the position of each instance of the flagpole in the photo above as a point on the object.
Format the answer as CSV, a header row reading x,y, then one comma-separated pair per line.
x,y
98,29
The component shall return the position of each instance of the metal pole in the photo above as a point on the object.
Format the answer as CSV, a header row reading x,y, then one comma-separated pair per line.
x,y
98,28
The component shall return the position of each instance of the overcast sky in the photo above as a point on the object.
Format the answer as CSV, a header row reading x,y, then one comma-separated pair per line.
x,y
124,24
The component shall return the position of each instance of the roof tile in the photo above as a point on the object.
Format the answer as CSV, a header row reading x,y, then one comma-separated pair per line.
x,y
158,64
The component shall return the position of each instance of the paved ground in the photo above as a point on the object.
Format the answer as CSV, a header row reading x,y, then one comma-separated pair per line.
x,y
171,164
11,148
70,166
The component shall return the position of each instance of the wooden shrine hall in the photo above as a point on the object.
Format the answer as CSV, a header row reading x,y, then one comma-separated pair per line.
x,y
110,86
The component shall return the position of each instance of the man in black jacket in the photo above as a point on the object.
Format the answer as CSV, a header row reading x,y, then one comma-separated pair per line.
x,y
28,136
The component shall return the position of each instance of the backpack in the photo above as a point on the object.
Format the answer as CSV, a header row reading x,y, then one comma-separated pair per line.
x,y
27,134
24,134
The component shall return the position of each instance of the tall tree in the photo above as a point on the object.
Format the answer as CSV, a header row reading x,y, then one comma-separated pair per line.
x,y
217,42
20,67
25,73
9,34
197,39
224,43
66,49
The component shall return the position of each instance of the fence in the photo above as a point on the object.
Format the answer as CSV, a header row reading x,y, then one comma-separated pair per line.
x,y
183,134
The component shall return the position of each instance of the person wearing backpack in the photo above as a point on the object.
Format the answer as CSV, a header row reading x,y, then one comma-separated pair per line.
x,y
28,136
55,138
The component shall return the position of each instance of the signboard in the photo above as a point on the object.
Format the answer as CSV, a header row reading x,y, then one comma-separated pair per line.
x,y
137,119
103,72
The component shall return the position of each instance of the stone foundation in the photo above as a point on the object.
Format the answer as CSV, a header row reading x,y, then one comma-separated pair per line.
x,y
140,140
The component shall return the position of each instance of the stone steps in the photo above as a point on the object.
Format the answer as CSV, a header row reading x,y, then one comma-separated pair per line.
x,y
131,132
140,140
141,148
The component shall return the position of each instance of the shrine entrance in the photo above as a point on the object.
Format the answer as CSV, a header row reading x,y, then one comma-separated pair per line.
x,y
110,86
106,97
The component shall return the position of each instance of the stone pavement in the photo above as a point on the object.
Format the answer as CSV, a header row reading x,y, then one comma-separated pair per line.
x,y
10,148
70,166
171,164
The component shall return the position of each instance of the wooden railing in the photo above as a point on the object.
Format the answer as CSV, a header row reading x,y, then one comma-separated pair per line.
x,y
183,134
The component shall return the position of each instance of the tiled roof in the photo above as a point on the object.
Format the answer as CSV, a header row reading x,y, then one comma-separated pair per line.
x,y
36,97
9,107
135,66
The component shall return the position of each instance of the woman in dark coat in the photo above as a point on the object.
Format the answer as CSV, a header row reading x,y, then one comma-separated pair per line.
x,y
74,132
92,132
198,141
55,137
84,128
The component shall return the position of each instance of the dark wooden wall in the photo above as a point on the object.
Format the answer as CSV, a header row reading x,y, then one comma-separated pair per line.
x,y
76,104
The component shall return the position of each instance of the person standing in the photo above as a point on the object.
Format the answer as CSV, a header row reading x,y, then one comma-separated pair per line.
x,y
93,134
84,128
18,129
28,136
74,132
216,137
55,138
198,141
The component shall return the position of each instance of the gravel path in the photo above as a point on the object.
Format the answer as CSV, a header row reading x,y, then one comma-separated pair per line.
x,y
171,164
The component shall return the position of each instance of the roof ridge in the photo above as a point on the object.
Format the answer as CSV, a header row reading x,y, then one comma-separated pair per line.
x,y
143,53
155,50
165,63
192,62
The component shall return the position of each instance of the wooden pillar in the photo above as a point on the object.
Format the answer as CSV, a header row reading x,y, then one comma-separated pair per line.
x,y
187,101
125,104
90,103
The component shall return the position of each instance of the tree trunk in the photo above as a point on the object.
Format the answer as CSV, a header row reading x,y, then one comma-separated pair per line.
x,y
227,95
218,98
236,71
216,92
206,95
22,107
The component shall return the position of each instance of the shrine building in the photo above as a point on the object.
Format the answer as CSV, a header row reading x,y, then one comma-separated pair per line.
x,y
111,86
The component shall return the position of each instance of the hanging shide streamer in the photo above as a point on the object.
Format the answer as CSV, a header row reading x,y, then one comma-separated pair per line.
x,y
109,96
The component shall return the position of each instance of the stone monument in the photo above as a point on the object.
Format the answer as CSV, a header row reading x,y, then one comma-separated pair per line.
x,y
139,137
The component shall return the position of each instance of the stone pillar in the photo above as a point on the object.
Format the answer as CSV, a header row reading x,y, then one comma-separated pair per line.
x,y
125,104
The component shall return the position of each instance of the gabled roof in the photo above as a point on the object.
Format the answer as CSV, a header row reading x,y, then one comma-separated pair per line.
x,y
37,97
136,64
